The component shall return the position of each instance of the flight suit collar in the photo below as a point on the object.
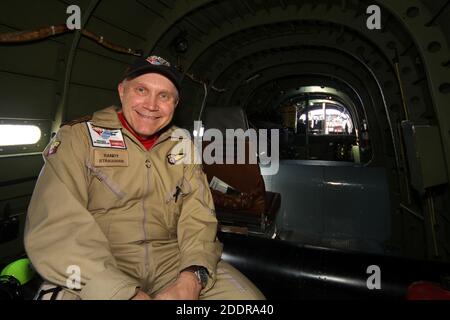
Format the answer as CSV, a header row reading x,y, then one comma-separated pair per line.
x,y
107,118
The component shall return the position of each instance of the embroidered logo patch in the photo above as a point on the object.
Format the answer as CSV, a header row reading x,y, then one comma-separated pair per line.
x,y
53,148
174,159
106,138
158,61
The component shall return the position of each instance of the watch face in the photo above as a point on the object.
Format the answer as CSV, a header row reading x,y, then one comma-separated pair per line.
x,y
202,275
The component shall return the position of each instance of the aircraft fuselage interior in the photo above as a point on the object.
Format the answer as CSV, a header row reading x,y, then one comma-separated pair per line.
x,y
344,106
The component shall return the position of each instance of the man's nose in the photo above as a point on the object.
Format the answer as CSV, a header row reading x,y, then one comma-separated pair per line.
x,y
151,102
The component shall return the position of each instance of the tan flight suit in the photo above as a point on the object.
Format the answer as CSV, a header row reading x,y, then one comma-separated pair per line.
x,y
122,221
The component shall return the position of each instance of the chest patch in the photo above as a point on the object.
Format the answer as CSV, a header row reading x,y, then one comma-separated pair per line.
x,y
110,158
106,138
174,159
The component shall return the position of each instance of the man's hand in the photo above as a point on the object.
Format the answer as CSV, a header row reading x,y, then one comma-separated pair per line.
x,y
141,295
186,287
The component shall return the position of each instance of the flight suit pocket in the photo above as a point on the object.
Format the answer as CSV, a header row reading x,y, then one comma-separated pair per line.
x,y
103,190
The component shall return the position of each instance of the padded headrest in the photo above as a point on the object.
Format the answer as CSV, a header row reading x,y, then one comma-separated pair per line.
x,y
223,118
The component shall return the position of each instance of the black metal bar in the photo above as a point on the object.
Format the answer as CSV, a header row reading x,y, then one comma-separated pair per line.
x,y
28,75
165,4
249,7
91,86
438,13
119,28
17,181
407,49
192,24
284,270
211,21
151,10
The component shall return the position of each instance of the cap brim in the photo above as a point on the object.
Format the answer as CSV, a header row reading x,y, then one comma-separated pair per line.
x,y
164,71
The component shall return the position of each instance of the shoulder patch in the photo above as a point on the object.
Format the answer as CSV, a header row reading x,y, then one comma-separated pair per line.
x,y
79,120
53,148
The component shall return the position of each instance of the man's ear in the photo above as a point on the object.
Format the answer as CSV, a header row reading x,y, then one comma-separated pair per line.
x,y
120,89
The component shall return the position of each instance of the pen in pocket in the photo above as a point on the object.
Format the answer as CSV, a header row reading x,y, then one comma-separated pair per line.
x,y
177,193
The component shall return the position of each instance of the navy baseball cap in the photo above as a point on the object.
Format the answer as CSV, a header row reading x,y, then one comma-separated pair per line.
x,y
157,65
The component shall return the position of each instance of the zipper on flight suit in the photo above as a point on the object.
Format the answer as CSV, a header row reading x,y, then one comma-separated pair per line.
x,y
148,165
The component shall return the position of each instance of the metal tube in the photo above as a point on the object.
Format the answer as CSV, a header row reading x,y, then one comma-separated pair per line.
x,y
284,270
402,92
61,109
432,222
307,129
403,157
415,214
33,35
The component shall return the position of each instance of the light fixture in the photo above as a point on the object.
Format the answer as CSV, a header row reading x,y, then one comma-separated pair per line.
x,y
14,135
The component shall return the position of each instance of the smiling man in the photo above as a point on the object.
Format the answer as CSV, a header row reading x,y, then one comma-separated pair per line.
x,y
149,95
112,218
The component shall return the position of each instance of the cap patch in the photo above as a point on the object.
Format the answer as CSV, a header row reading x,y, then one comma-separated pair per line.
x,y
157,61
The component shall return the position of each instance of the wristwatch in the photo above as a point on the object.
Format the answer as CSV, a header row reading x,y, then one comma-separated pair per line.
x,y
201,273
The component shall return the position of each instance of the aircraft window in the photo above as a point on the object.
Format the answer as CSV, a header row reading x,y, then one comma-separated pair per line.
x,y
337,119
318,129
14,135
23,136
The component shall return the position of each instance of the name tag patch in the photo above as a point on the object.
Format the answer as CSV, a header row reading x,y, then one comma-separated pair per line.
x,y
106,138
110,158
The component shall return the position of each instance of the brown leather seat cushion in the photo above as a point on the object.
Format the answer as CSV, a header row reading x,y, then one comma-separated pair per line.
x,y
243,201
245,178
